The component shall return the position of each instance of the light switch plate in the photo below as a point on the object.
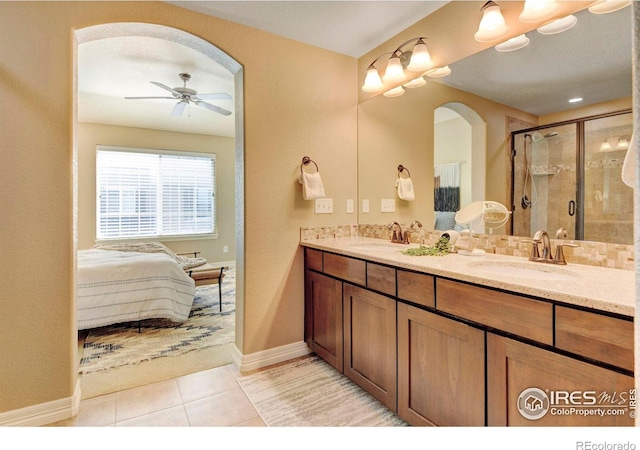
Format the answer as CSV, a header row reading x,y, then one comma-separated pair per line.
x,y
323,205
365,206
387,205
349,205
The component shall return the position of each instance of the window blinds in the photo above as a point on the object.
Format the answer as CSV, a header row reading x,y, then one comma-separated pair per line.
x,y
154,194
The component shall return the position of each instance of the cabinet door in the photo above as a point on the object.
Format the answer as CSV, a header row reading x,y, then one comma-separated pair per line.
x,y
530,386
370,342
323,317
441,370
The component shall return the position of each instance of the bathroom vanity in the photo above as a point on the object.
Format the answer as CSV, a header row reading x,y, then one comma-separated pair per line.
x,y
474,340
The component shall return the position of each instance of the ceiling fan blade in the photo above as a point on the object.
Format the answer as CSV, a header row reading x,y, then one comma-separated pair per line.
x,y
214,96
146,98
164,86
177,110
217,109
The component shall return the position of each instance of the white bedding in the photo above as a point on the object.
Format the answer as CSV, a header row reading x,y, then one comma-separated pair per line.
x,y
115,286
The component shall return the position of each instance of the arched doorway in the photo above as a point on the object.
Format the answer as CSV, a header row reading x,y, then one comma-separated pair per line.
x,y
211,55
459,159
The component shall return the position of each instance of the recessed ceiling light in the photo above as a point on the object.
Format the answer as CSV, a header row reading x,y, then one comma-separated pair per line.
x,y
575,100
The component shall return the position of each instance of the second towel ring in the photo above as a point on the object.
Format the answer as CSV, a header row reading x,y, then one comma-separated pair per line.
x,y
402,168
305,162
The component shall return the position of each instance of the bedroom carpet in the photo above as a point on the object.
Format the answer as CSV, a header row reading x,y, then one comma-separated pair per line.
x,y
119,357
309,393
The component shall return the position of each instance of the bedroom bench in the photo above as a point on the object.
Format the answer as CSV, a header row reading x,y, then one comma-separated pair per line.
x,y
207,274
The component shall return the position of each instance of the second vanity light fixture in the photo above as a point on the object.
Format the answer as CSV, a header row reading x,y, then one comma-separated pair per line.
x,y
417,60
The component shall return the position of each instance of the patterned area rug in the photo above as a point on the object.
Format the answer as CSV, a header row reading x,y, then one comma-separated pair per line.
x,y
310,393
121,345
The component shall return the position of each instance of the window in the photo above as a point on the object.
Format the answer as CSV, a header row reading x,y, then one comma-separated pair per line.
x,y
152,193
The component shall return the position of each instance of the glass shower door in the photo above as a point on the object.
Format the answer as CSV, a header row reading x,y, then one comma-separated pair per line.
x,y
544,184
608,212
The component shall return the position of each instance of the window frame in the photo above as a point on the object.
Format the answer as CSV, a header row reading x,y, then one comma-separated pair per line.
x,y
160,237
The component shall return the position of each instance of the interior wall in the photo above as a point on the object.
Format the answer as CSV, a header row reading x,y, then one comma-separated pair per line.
x,y
90,135
299,101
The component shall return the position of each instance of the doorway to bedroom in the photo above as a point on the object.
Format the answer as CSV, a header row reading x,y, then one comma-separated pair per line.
x,y
155,89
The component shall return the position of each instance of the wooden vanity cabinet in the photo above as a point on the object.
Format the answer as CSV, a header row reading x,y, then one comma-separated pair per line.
x,y
323,317
370,342
441,370
513,367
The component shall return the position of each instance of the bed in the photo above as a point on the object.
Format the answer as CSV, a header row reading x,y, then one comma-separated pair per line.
x,y
123,286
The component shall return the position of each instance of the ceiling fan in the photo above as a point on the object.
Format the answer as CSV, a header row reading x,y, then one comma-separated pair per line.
x,y
185,95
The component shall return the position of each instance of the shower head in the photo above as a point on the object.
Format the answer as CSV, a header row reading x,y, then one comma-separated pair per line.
x,y
537,137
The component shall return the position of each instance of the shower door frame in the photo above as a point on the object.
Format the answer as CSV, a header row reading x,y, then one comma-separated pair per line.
x,y
580,164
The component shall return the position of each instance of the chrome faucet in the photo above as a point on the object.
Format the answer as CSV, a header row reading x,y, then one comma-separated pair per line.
x,y
542,237
397,237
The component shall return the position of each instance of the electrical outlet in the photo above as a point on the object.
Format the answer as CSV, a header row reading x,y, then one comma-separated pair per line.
x,y
365,206
387,205
324,206
349,206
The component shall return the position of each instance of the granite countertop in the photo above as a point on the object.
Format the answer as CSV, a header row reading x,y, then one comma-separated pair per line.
x,y
604,289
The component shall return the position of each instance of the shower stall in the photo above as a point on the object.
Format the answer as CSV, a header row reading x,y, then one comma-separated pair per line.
x,y
567,179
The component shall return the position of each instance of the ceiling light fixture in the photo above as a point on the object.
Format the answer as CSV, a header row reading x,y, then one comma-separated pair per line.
x,y
607,6
559,26
416,60
538,10
575,100
492,25
513,44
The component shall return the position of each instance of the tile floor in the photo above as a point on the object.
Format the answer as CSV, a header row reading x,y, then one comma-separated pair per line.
x,y
211,398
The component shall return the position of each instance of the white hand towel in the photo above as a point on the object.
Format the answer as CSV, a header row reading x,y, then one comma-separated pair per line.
x,y
312,187
405,189
629,164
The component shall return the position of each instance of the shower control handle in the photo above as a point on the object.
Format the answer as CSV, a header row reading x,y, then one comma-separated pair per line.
x,y
572,208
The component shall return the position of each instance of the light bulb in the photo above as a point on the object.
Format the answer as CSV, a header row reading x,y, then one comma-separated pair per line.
x,y
538,10
420,58
372,81
492,25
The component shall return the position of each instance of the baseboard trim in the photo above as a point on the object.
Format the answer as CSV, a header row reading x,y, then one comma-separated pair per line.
x,y
43,413
258,360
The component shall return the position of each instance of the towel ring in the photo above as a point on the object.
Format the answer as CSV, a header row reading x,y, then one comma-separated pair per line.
x,y
402,168
305,162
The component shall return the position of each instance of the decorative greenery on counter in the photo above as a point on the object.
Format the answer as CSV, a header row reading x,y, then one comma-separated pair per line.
x,y
441,248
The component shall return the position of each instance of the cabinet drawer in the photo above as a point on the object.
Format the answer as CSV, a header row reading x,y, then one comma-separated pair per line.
x,y
313,259
381,278
524,317
595,336
416,287
345,268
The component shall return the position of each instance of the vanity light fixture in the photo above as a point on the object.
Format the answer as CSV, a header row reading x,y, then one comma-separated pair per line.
x,y
559,25
607,6
513,44
613,144
395,92
439,72
492,25
538,10
418,82
416,60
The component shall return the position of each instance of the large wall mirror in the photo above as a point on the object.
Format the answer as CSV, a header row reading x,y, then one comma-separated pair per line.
x,y
508,91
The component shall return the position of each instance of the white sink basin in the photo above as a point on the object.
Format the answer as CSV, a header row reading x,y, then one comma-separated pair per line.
x,y
522,270
378,246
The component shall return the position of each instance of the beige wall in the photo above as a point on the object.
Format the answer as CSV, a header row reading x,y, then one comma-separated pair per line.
x,y
299,100
91,134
